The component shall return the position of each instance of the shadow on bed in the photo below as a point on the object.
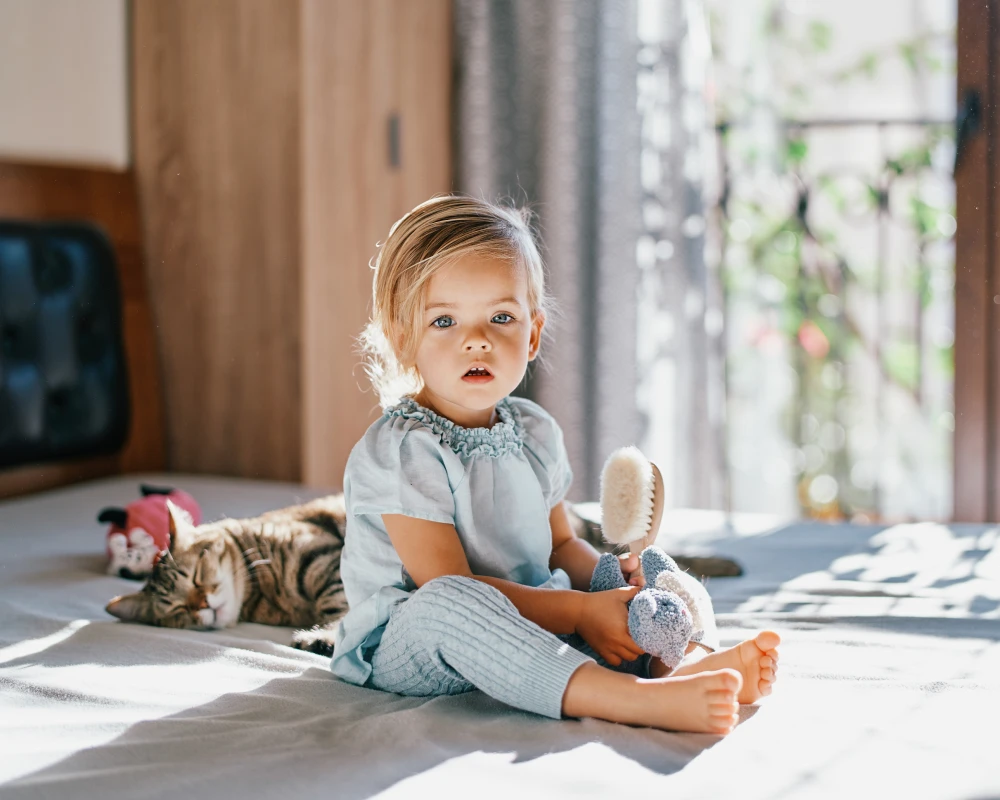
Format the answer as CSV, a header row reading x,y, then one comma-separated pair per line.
x,y
320,734
925,578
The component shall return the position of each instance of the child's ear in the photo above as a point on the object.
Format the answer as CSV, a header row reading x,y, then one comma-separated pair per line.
x,y
537,323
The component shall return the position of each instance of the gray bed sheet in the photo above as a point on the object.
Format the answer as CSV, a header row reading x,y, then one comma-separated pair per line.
x,y
889,684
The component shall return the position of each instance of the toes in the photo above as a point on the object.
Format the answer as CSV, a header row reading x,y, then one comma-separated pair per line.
x,y
767,675
722,699
767,640
724,723
730,679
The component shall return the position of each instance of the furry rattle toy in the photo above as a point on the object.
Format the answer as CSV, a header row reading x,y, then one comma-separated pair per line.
x,y
141,531
673,609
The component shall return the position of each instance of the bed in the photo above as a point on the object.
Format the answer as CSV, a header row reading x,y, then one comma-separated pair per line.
x,y
889,684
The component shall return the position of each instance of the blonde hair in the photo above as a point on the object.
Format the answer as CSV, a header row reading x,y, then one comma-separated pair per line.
x,y
431,236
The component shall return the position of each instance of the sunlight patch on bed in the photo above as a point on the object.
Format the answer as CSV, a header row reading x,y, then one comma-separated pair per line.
x,y
914,569
99,701
510,774
30,647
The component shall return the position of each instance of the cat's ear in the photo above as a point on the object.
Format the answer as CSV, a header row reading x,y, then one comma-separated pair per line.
x,y
180,523
130,608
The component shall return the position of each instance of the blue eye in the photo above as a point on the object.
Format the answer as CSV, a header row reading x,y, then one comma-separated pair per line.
x,y
435,322
505,314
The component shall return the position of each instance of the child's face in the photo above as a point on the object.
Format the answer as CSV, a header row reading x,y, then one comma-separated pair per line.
x,y
476,313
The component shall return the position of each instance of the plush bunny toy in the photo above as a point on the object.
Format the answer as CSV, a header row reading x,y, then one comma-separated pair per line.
x,y
665,615
140,532
672,609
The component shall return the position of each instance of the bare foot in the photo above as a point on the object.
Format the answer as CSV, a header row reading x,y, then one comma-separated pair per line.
x,y
702,703
756,660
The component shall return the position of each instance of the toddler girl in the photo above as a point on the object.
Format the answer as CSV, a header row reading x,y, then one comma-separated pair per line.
x,y
460,565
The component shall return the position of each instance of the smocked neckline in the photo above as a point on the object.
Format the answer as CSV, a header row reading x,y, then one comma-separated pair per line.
x,y
506,436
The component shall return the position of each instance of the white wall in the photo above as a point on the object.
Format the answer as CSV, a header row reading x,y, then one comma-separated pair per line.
x,y
64,82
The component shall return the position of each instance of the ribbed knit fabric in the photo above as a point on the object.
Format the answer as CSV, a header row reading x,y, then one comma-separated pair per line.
x,y
456,634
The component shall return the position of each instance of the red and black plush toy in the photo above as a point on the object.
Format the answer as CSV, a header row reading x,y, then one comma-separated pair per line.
x,y
141,531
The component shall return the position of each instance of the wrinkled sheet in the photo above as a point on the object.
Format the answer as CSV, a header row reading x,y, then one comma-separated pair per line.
x,y
889,684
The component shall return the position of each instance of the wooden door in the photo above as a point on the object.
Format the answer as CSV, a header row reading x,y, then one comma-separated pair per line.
x,y
977,273
276,141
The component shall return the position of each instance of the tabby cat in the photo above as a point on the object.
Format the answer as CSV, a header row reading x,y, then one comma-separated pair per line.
x,y
281,568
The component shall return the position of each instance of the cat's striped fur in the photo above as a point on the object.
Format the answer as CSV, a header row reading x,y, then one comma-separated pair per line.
x,y
281,568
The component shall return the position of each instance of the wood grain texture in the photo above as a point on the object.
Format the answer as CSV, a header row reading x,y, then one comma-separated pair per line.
x,y
261,145
107,199
216,114
975,256
362,64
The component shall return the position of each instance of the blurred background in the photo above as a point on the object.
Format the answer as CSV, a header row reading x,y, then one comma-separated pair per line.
x,y
751,213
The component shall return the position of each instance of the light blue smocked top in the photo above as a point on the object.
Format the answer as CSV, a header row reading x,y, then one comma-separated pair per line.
x,y
495,485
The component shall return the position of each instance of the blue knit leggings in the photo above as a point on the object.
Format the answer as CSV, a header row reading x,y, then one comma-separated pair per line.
x,y
456,634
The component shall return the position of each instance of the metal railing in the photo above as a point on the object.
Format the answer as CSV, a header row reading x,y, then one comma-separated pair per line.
x,y
821,301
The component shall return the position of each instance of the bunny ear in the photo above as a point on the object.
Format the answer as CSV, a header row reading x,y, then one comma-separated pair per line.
x,y
607,574
654,561
116,516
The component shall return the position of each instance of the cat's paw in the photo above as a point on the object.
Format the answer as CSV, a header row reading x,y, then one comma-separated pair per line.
x,y
316,640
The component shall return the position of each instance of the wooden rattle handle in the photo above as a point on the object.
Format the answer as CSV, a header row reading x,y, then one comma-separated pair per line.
x,y
654,524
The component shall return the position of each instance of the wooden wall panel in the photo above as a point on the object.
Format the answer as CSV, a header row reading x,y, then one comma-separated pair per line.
x,y
262,148
363,64
216,102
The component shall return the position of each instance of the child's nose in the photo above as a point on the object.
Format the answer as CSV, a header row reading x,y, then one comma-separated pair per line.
x,y
478,340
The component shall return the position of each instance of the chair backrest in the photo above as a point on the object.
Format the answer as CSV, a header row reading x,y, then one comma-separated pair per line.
x,y
79,378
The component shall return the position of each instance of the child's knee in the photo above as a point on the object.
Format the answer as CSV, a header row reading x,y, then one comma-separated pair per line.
x,y
449,596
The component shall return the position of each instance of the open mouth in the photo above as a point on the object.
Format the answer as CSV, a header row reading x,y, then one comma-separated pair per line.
x,y
477,374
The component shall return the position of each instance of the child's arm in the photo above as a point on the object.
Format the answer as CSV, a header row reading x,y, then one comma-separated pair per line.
x,y
577,557
569,552
429,550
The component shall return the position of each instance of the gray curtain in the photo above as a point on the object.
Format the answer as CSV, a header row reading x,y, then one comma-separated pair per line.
x,y
681,391
548,114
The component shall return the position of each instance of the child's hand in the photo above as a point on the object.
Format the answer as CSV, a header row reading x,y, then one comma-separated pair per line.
x,y
630,564
604,624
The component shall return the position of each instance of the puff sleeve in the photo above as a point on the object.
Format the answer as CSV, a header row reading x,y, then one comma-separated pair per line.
x,y
399,467
543,440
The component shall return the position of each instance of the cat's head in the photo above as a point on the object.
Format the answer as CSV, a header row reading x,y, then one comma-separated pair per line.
x,y
192,584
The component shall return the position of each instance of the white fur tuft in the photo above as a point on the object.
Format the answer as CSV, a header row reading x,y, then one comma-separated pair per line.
x,y
627,487
699,603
